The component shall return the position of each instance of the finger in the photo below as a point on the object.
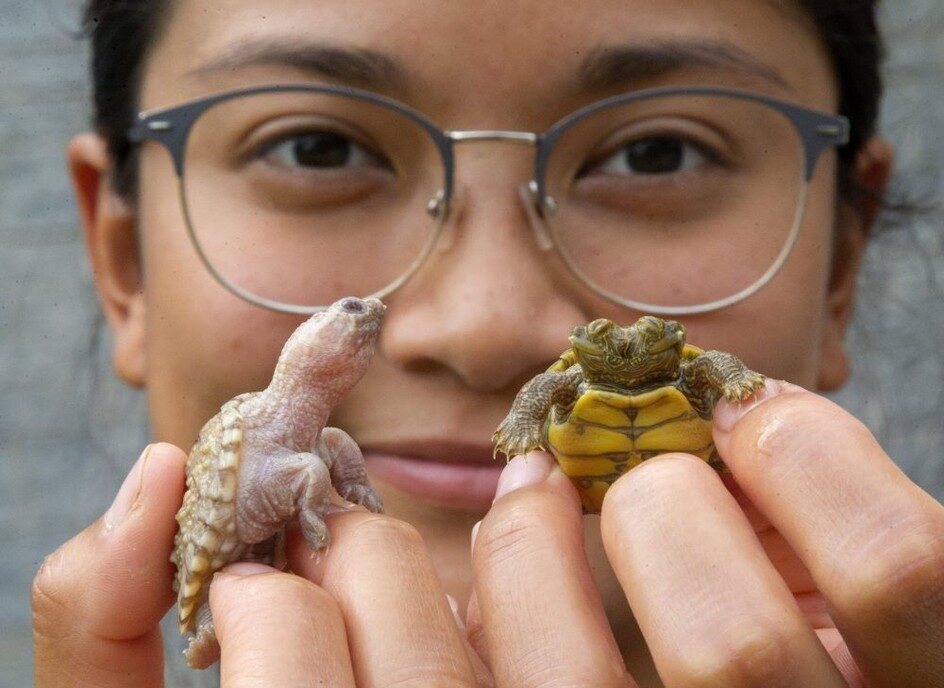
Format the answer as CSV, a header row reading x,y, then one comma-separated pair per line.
x,y
475,629
543,620
98,599
483,676
277,629
839,652
872,540
400,627
711,606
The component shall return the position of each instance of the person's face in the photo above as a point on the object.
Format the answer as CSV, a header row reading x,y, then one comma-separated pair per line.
x,y
487,313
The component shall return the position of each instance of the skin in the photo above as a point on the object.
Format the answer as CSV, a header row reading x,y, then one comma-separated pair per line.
x,y
475,323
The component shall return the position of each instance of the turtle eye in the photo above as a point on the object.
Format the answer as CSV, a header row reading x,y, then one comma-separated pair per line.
x,y
598,327
649,324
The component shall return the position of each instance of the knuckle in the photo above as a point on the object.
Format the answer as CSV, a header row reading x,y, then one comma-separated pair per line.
x,y
744,654
510,534
49,598
279,594
425,678
899,582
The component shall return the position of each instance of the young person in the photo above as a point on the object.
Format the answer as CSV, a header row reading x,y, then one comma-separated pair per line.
x,y
361,147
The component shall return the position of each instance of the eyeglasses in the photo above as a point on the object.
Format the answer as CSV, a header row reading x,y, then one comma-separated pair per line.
x,y
671,200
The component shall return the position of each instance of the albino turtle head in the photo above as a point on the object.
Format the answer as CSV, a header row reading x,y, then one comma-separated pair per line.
x,y
331,350
650,350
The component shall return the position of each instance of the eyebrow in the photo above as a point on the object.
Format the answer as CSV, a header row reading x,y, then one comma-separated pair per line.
x,y
603,69
354,66
608,67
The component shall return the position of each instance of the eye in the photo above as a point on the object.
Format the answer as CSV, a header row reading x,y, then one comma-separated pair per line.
x,y
319,150
655,155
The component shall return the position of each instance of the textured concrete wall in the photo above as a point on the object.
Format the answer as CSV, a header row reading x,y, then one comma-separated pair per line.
x,y
67,438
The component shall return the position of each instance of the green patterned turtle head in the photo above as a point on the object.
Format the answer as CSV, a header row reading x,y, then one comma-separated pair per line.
x,y
648,351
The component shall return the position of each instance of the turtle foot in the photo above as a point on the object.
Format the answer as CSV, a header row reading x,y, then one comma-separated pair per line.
x,y
363,495
514,439
743,387
314,529
203,649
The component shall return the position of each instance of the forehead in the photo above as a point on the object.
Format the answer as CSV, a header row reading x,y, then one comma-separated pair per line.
x,y
516,56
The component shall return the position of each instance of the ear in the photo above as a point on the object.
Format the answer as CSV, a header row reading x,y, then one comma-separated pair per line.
x,y
108,223
853,225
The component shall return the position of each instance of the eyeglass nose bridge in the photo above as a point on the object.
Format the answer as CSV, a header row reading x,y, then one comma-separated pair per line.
x,y
528,137
536,208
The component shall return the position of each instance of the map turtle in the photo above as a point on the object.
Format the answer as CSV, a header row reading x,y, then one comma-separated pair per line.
x,y
619,396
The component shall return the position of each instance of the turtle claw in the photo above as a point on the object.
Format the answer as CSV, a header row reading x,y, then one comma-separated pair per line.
x,y
740,389
512,439
363,495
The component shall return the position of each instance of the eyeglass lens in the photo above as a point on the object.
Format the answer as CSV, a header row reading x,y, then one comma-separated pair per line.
x,y
672,200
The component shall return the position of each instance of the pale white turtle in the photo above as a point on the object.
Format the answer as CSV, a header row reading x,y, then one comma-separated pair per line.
x,y
267,457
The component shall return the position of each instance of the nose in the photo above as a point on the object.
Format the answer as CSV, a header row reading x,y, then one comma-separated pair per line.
x,y
490,309
353,305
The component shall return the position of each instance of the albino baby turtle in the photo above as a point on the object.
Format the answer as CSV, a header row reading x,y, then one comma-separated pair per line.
x,y
267,457
619,396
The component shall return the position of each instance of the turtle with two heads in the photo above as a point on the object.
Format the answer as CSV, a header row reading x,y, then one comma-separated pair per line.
x,y
619,396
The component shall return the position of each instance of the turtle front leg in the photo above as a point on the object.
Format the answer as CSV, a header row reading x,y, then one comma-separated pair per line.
x,y
346,464
272,491
716,374
523,427
313,502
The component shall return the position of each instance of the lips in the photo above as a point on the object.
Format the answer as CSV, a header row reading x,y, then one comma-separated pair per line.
x,y
448,474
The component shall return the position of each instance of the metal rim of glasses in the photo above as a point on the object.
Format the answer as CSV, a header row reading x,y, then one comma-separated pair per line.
x,y
818,131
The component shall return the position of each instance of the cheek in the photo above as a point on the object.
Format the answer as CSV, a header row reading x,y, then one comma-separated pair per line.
x,y
778,331
204,345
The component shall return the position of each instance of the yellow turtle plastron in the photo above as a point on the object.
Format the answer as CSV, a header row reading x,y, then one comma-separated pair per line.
x,y
619,396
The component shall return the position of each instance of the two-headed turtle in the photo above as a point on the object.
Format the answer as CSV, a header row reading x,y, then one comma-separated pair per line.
x,y
619,396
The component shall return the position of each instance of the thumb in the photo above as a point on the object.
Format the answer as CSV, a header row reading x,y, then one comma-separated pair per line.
x,y
98,599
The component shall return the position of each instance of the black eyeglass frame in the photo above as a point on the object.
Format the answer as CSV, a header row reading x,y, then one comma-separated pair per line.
x,y
171,126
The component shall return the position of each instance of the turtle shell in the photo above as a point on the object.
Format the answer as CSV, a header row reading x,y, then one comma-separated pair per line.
x,y
207,539
608,432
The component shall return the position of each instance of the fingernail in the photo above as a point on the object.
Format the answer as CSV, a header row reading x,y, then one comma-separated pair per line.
x,y
529,469
726,413
242,569
454,606
343,508
475,534
129,492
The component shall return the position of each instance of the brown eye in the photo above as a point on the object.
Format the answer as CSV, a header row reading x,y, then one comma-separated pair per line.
x,y
655,155
321,150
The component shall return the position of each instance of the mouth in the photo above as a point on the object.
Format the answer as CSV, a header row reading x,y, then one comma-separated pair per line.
x,y
443,473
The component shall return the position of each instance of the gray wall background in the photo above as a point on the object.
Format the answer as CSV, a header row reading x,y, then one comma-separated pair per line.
x,y
69,431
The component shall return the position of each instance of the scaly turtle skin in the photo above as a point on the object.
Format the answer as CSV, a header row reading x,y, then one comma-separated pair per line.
x,y
619,396
267,457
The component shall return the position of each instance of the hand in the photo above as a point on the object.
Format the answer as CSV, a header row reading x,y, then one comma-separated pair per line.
x,y
98,599
823,565
370,610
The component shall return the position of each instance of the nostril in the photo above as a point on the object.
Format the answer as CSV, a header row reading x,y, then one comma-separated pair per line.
x,y
353,305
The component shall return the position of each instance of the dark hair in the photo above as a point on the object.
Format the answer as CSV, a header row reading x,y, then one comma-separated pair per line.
x,y
123,31
122,34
